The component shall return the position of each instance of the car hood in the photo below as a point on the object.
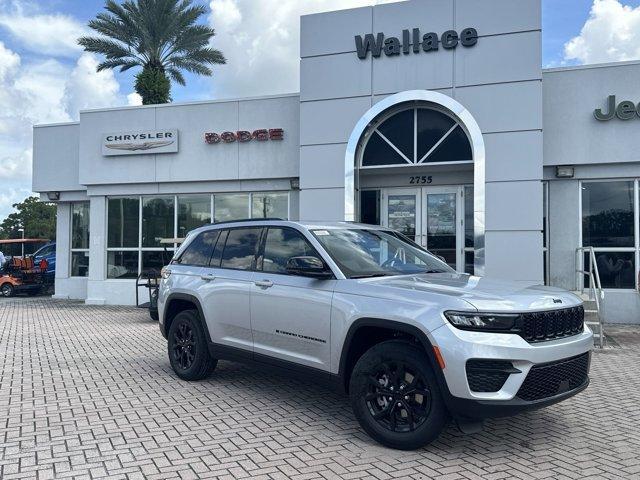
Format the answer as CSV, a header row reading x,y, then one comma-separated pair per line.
x,y
483,293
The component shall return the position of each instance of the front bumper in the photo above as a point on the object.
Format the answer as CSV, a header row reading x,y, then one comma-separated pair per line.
x,y
458,346
463,408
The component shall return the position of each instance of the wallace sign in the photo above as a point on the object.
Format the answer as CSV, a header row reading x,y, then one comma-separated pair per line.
x,y
413,41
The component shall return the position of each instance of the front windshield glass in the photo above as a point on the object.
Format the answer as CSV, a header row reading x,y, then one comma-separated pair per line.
x,y
362,253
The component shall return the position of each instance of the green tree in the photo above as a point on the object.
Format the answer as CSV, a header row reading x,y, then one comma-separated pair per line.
x,y
161,36
37,218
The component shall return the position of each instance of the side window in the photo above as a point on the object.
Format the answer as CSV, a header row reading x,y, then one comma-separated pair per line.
x,y
240,248
281,244
216,258
199,251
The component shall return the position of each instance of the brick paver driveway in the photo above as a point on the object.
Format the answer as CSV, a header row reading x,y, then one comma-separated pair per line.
x,y
87,392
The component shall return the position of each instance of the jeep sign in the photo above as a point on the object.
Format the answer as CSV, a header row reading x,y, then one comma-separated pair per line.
x,y
412,41
625,110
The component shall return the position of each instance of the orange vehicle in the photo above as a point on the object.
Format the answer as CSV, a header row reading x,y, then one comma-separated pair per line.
x,y
20,274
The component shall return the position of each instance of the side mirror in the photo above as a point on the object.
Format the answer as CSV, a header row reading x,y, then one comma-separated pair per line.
x,y
308,267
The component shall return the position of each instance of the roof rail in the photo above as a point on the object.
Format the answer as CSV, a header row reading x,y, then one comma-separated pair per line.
x,y
273,219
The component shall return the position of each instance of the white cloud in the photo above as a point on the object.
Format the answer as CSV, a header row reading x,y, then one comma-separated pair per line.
x,y
9,62
18,166
43,91
611,34
87,88
45,34
134,99
261,41
11,195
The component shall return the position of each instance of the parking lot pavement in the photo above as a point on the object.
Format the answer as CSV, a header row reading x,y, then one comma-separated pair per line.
x,y
87,392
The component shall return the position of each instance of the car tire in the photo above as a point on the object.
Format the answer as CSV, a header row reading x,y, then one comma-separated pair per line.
x,y
395,396
7,290
187,347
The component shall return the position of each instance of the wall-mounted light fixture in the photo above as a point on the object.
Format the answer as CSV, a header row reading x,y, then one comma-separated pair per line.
x,y
563,171
53,196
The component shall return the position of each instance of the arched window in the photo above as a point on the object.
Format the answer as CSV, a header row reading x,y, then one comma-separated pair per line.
x,y
415,136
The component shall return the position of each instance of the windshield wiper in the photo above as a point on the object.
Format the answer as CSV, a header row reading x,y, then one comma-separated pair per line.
x,y
371,275
433,271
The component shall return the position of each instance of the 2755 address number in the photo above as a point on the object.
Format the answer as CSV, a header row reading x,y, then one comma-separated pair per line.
x,y
421,180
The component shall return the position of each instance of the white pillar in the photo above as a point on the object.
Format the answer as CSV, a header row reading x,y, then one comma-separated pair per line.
x,y
97,251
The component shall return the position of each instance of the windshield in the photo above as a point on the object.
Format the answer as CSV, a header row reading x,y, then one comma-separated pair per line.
x,y
362,253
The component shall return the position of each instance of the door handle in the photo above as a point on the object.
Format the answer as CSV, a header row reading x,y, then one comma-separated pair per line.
x,y
208,278
264,283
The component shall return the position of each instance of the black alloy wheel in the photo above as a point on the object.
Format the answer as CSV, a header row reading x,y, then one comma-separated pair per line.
x,y
395,395
398,397
184,345
187,347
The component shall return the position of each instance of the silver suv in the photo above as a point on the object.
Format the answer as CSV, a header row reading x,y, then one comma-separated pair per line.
x,y
366,310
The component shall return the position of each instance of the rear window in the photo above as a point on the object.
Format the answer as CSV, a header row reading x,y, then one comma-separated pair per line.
x,y
199,251
240,248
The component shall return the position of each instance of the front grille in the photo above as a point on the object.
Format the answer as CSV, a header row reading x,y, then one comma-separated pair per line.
x,y
488,375
543,326
550,379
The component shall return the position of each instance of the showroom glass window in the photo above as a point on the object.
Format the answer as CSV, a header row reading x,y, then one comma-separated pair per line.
x,y
193,212
228,207
80,239
608,225
270,205
123,239
136,225
158,223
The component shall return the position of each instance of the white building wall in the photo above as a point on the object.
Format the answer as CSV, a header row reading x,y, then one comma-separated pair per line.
x,y
498,81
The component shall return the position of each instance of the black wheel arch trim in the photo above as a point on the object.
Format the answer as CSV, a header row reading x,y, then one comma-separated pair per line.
x,y
391,325
191,299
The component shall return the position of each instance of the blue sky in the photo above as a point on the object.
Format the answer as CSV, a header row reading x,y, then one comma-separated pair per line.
x,y
562,20
45,77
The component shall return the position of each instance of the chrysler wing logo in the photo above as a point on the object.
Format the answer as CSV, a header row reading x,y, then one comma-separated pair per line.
x,y
140,143
132,147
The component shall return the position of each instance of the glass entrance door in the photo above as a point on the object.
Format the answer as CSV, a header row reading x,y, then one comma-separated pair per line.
x,y
431,216
442,225
401,211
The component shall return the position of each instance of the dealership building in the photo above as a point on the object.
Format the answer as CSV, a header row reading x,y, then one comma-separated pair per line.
x,y
433,117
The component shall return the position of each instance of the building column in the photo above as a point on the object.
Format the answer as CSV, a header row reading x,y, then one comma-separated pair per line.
x,y
63,244
97,251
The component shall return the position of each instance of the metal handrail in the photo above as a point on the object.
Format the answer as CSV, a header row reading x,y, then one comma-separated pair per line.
x,y
595,286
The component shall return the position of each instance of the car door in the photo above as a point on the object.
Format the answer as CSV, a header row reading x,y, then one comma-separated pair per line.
x,y
290,314
226,289
187,267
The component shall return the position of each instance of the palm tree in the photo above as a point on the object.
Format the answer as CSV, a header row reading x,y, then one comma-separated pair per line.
x,y
161,36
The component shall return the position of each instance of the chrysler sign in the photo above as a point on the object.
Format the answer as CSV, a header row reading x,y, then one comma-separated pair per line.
x,y
139,143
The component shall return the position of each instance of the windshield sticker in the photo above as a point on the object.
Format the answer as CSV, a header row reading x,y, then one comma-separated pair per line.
x,y
321,233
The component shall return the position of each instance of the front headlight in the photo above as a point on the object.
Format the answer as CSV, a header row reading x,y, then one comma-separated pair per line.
x,y
490,322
